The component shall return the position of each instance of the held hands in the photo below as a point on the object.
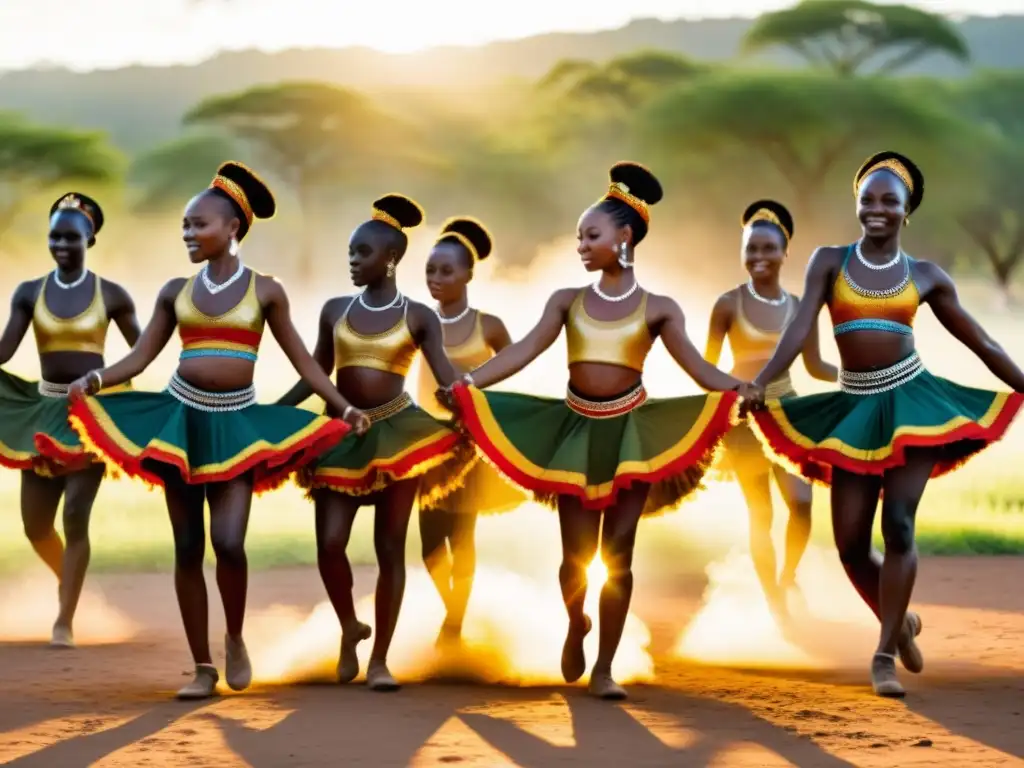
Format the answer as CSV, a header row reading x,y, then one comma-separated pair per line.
x,y
358,420
751,397
87,385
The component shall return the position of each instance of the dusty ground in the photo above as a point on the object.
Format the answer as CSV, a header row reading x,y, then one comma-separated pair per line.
x,y
109,705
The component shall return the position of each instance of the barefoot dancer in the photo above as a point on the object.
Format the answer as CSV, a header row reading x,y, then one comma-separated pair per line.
x,y
471,339
69,311
371,340
892,425
605,451
204,438
752,316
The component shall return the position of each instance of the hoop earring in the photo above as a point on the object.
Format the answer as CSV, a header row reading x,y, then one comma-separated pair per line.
x,y
233,248
391,268
624,261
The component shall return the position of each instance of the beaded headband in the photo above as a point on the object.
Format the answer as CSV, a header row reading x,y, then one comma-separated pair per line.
x,y
72,202
764,214
234,190
893,166
378,215
620,191
465,241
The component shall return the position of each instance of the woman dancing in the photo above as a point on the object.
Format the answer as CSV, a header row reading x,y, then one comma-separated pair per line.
x,y
752,316
371,339
204,438
69,310
892,425
471,339
605,451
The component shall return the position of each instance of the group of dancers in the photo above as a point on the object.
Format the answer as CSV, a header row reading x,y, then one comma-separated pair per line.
x,y
604,456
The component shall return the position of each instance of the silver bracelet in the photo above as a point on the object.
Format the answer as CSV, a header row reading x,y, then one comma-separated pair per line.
x,y
467,378
99,379
346,412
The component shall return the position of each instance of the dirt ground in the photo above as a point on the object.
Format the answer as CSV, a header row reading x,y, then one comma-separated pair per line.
x,y
110,705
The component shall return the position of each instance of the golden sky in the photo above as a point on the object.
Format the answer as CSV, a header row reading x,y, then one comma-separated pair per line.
x,y
86,34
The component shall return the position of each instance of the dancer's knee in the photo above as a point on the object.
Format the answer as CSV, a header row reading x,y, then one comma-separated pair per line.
x,y
898,529
229,549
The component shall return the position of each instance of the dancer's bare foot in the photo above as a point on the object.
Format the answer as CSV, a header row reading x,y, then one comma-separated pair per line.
x,y
910,654
378,678
237,667
203,685
574,662
62,636
348,660
883,677
604,687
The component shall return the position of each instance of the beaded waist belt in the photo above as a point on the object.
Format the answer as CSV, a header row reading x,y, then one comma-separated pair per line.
x,y
607,409
49,389
875,382
201,400
389,409
781,387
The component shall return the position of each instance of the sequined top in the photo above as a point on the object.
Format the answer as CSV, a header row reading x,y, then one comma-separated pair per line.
x,y
855,308
469,354
85,332
624,342
235,333
391,351
751,344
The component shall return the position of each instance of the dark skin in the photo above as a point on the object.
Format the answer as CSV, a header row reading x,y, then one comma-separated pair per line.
x,y
372,247
599,240
448,535
764,252
885,585
208,227
71,235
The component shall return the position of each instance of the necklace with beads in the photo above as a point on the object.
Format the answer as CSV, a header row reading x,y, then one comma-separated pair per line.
x,y
765,300
451,320
614,299
215,288
877,267
393,303
73,284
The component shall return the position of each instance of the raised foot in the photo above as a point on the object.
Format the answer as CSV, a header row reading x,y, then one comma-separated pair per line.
x,y
62,637
203,685
604,687
348,660
378,678
909,653
883,677
237,667
574,662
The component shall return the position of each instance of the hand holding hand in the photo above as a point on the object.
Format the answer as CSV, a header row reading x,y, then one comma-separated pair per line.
x,y
87,385
358,420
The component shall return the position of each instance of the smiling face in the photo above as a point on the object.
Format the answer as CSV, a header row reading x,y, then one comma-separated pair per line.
x,y
70,237
882,204
448,272
764,250
208,227
599,239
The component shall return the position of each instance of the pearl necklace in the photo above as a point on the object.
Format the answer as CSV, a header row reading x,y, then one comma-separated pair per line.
x,y
632,289
877,267
214,288
393,303
451,320
74,284
764,300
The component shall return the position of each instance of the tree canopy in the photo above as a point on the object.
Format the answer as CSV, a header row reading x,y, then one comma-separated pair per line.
x,y
172,173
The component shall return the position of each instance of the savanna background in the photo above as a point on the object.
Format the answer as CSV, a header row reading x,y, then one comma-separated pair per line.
x,y
520,133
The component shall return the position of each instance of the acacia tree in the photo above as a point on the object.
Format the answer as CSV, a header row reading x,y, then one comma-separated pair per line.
x,y
845,35
34,158
171,173
311,135
802,125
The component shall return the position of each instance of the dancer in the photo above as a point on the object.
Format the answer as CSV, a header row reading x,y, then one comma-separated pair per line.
x,y
69,310
752,316
605,451
892,425
371,339
204,438
471,339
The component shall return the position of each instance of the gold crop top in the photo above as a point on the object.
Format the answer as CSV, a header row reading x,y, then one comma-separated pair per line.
x,y
624,342
391,351
854,308
235,333
85,332
470,354
750,343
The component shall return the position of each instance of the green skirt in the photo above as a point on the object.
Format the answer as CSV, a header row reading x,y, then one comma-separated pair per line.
x,y
34,430
869,433
148,434
403,442
551,449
